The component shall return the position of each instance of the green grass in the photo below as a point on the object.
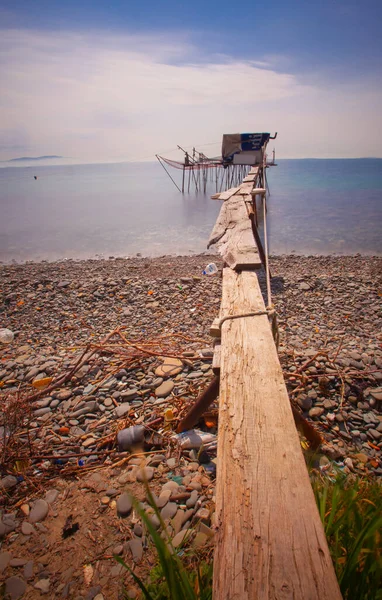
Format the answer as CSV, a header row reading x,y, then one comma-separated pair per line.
x,y
351,513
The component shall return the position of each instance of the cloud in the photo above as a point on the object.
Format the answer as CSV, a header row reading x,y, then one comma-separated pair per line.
x,y
96,96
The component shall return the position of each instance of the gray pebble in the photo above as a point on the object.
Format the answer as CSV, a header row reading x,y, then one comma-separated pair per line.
x,y
124,505
15,587
39,511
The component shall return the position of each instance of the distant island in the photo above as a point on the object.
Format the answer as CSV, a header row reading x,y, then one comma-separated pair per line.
x,y
26,158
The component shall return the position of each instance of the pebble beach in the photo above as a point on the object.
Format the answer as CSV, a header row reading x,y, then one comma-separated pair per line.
x,y
107,357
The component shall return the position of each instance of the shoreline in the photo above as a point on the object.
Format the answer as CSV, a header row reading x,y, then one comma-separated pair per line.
x,y
206,253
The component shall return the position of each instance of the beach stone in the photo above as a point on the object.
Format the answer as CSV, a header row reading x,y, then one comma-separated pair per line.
x,y
156,460
51,496
181,536
375,434
121,410
91,406
27,528
8,482
165,389
39,511
129,394
17,562
155,522
170,485
169,368
376,393
118,550
178,521
136,548
5,557
192,500
7,526
28,570
15,588
200,539
138,530
90,441
145,474
164,497
317,411
124,505
64,395
43,585
169,510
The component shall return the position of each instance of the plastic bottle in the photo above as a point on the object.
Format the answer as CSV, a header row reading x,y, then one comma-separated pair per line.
x,y
210,269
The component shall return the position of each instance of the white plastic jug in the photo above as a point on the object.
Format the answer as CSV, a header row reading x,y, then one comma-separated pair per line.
x,y
210,269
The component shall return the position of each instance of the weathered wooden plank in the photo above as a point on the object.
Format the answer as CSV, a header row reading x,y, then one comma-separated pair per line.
x,y
216,357
253,171
215,328
234,237
227,195
245,188
270,541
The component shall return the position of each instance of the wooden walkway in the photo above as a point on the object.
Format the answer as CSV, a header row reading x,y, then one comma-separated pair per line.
x,y
270,541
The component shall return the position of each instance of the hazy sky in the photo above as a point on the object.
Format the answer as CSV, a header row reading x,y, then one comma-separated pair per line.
x,y
119,80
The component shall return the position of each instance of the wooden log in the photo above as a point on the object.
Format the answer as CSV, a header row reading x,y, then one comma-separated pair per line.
x,y
270,542
233,235
258,190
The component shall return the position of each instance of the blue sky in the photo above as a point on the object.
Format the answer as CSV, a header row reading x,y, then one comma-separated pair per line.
x,y
153,74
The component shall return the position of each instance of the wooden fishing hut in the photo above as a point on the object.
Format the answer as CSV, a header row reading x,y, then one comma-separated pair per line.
x,y
199,172
270,543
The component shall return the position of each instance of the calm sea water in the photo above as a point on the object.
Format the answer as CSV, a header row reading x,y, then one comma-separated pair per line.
x,y
315,207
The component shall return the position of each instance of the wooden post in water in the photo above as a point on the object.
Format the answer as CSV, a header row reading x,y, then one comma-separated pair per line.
x,y
270,543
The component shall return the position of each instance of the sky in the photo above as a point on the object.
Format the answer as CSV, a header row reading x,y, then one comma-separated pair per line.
x,y
123,80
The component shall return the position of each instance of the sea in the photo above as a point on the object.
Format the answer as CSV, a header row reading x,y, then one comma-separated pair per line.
x,y
315,207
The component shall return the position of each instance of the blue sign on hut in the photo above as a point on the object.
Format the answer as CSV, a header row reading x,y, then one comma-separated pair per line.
x,y
245,148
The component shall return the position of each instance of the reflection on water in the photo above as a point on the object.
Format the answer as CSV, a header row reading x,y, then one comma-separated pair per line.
x,y
315,207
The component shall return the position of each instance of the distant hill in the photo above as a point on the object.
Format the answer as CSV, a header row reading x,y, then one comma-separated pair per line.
x,y
28,158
